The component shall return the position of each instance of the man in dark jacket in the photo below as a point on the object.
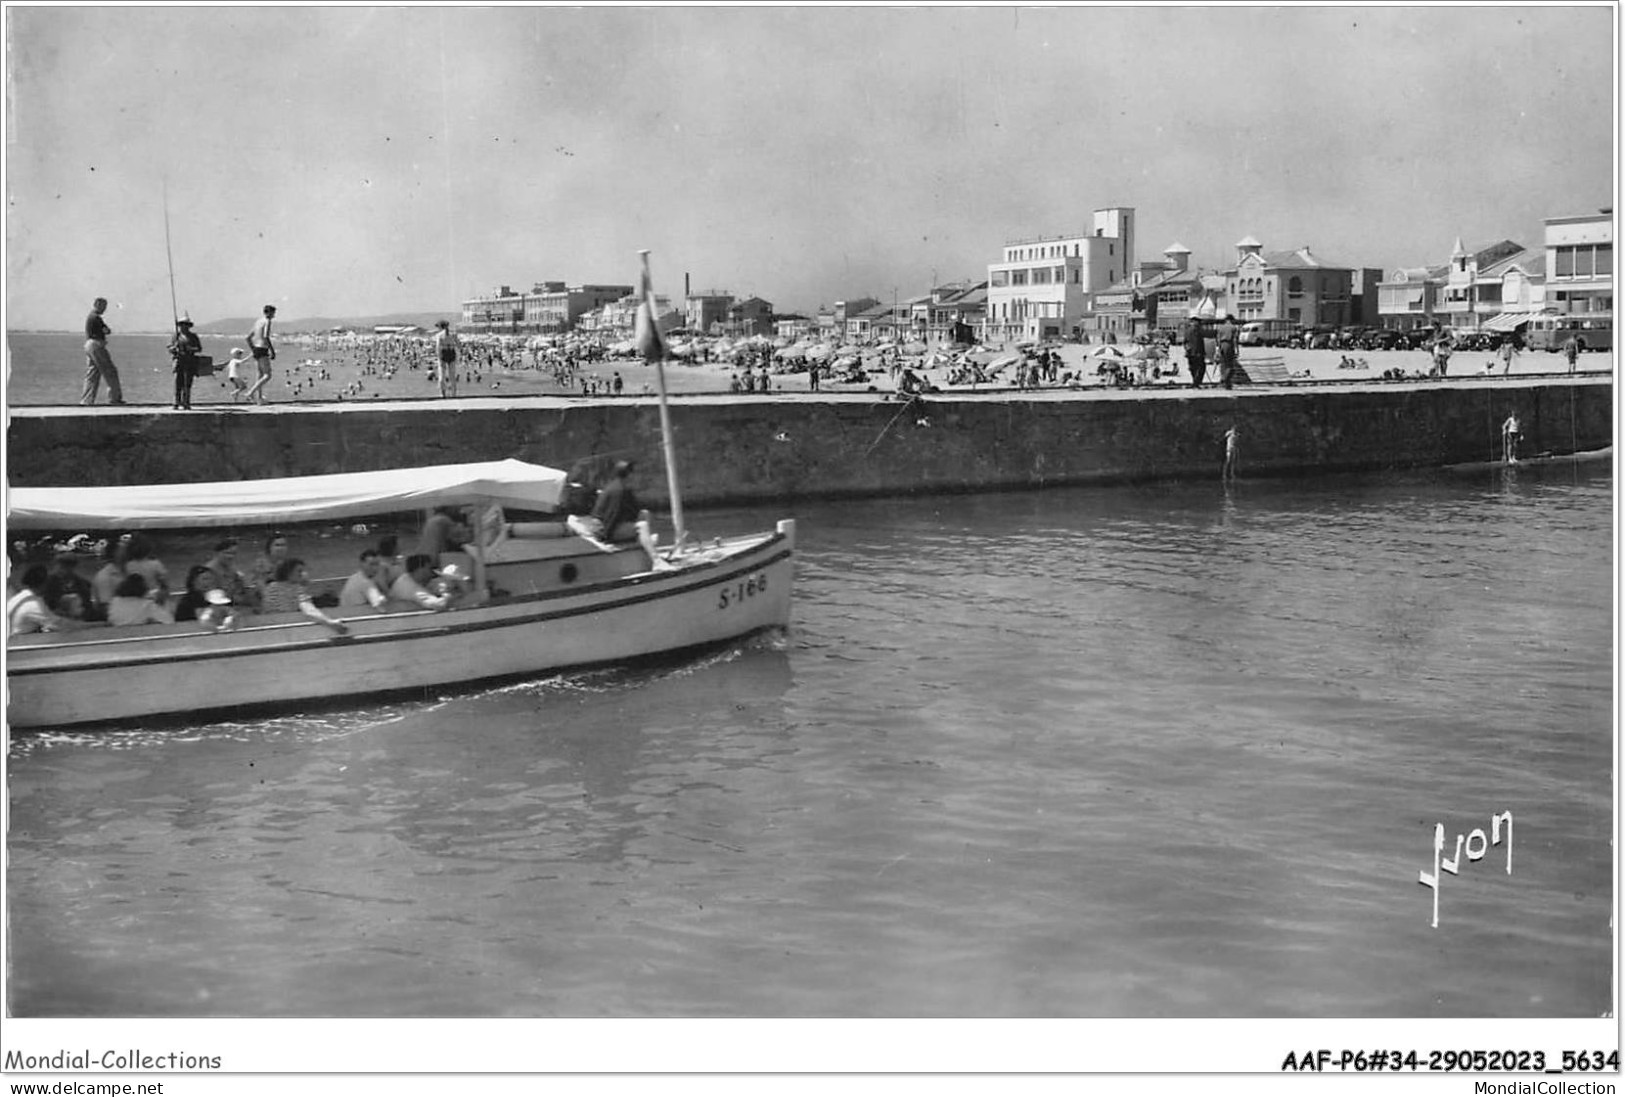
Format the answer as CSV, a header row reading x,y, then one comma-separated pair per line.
x,y
617,504
1195,351
184,349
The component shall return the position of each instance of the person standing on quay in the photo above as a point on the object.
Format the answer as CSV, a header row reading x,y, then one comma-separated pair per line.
x,y
445,345
1195,351
264,352
98,363
184,348
1227,336
1571,352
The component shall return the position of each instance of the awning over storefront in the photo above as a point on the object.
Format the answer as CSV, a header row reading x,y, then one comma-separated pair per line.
x,y
1508,321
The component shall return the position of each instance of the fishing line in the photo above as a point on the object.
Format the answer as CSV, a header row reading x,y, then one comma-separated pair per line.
x,y
912,400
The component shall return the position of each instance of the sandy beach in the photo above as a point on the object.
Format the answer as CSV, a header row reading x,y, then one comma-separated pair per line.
x,y
47,369
303,370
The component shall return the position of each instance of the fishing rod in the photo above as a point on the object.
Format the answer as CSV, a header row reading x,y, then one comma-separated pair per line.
x,y
174,309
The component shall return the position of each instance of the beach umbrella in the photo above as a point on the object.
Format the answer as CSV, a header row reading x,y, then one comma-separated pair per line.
x,y
915,348
937,359
792,353
846,363
1104,351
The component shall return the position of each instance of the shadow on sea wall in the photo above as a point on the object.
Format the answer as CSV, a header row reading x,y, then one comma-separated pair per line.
x,y
734,450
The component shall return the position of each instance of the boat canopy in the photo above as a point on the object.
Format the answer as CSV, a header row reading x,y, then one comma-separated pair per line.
x,y
508,483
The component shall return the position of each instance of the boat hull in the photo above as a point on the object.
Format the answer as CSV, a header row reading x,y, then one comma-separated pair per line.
x,y
116,675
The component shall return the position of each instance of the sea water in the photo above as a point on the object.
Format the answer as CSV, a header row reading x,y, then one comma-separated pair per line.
x,y
1165,751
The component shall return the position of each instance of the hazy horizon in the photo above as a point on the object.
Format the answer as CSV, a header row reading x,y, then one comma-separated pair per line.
x,y
369,161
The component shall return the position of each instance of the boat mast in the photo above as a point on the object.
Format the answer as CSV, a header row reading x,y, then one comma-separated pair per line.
x,y
654,350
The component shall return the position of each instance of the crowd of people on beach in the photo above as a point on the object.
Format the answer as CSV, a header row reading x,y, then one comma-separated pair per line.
x,y
370,367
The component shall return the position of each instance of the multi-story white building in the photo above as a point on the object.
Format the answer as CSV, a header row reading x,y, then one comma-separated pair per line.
x,y
1580,265
1409,296
1042,287
1471,293
500,311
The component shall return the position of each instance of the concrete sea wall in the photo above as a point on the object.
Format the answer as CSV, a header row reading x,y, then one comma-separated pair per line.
x,y
754,449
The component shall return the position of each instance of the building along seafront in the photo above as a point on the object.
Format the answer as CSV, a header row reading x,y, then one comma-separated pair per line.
x,y
1296,286
1504,286
1042,288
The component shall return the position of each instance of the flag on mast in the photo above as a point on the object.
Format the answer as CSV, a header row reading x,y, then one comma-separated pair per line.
x,y
651,344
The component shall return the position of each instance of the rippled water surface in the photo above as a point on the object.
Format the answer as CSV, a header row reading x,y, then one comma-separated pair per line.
x,y
1165,751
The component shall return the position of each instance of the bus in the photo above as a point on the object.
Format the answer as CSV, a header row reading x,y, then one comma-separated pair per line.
x,y
1549,333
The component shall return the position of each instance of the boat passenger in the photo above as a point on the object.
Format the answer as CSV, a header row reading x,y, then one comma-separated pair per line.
x,y
413,586
133,604
289,592
224,565
263,571
361,588
26,610
64,583
142,562
105,583
445,531
390,565
200,579
616,509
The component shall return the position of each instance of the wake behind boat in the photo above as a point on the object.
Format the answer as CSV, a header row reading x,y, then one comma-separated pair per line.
x,y
547,600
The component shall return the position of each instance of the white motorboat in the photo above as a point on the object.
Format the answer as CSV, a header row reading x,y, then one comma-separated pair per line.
x,y
551,600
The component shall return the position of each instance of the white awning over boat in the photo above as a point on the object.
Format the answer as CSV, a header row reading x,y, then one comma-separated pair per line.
x,y
509,483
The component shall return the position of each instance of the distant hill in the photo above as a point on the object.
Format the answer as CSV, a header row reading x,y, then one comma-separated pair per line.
x,y
240,326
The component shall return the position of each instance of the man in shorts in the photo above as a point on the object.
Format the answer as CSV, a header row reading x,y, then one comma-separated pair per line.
x,y
264,352
445,345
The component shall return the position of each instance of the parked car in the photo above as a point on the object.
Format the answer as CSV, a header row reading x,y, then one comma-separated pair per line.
x,y
1319,337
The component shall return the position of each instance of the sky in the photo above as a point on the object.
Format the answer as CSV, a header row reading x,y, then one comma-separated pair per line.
x,y
354,161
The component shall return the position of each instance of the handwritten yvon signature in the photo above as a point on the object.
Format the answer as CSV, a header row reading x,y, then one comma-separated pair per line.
x,y
1474,853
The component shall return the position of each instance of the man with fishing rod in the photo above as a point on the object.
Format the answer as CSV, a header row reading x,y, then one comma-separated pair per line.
x,y
185,349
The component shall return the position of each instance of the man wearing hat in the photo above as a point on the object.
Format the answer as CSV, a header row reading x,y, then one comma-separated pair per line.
x,y
445,345
184,349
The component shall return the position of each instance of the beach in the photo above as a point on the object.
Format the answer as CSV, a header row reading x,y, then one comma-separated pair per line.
x,y
48,368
